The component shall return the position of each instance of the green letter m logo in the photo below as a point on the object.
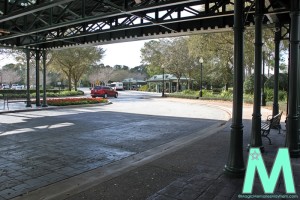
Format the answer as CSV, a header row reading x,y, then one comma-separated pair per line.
x,y
282,162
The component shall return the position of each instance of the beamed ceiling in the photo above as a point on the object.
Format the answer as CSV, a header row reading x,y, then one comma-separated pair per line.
x,y
48,24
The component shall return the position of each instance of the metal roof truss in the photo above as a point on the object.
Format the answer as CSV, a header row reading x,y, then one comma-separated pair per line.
x,y
60,23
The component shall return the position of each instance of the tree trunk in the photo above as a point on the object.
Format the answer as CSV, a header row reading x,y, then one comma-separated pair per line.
x,y
75,84
189,80
177,85
70,82
249,71
226,86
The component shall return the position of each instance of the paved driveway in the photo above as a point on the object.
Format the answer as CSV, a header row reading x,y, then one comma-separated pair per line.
x,y
43,147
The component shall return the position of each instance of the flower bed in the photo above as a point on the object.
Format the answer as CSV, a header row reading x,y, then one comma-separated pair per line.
x,y
73,101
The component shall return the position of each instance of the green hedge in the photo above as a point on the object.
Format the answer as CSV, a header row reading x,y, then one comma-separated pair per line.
x,y
144,88
209,95
216,98
226,95
269,93
194,93
9,91
65,93
182,96
13,91
249,83
282,81
50,93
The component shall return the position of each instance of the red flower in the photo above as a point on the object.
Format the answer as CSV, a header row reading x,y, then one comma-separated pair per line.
x,y
74,101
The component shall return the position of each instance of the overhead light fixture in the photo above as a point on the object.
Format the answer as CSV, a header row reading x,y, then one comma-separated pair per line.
x,y
138,1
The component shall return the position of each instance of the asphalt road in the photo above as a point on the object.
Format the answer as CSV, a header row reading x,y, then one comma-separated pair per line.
x,y
40,148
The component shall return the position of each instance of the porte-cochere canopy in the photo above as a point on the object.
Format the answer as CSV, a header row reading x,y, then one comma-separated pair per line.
x,y
47,24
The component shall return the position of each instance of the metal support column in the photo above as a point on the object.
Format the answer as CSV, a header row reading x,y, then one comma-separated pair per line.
x,y
293,117
276,69
28,102
201,76
256,116
298,75
44,80
235,163
163,88
263,96
37,77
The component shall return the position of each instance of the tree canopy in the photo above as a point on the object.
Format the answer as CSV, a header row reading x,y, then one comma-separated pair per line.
x,y
74,62
180,55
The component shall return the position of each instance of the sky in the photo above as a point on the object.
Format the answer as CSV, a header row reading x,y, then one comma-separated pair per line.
x,y
6,60
125,53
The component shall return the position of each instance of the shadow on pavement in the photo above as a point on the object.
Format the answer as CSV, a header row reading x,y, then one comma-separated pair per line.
x,y
193,172
41,148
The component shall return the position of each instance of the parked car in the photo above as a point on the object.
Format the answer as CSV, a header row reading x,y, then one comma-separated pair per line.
x,y
103,91
14,86
20,87
117,86
5,86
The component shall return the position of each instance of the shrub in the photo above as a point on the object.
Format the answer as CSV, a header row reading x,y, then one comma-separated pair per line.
x,y
144,88
248,98
216,98
64,93
50,93
249,84
269,94
177,95
227,94
282,81
217,90
24,91
15,96
190,92
207,93
282,95
71,93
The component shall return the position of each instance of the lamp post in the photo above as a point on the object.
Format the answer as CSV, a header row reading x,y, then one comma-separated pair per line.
x,y
163,83
263,99
201,67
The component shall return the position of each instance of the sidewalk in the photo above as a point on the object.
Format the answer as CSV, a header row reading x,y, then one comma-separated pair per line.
x,y
194,171
20,107
12,107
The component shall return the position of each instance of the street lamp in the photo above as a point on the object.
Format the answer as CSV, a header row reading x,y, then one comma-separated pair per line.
x,y
163,83
201,67
263,99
